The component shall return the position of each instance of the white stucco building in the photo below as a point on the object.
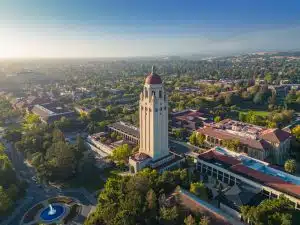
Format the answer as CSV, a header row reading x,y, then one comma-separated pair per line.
x,y
154,150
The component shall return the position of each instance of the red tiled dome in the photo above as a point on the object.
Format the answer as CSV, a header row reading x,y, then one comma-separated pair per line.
x,y
153,79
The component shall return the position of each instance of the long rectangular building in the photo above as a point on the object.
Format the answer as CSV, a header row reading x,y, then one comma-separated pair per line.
x,y
127,131
236,169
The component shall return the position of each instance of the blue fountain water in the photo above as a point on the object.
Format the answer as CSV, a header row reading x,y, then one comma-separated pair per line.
x,y
52,213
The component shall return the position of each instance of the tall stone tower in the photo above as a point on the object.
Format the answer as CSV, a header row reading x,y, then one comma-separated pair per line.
x,y
154,118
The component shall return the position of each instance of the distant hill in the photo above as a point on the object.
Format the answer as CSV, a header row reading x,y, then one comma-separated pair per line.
x,y
295,54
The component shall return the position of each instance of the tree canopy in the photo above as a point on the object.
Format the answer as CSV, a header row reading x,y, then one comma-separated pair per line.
x,y
271,212
139,199
290,166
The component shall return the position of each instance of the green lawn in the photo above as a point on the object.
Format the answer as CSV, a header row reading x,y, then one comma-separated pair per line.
x,y
256,112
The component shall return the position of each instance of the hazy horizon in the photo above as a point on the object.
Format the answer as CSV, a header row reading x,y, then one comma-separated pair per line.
x,y
119,29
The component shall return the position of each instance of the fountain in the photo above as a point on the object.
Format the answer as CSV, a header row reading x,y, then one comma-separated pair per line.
x,y
52,211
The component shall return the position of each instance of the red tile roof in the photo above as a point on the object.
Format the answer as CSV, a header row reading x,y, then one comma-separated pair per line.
x,y
275,135
211,154
237,166
153,78
140,156
268,180
224,135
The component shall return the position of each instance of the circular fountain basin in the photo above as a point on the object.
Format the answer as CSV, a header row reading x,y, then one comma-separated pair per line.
x,y
59,212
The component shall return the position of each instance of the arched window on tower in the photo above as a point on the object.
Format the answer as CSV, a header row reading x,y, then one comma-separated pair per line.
x,y
160,94
146,92
153,93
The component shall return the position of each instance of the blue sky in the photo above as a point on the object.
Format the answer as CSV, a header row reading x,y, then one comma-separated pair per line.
x,y
110,28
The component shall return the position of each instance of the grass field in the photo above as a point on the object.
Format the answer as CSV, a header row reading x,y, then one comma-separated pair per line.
x,y
256,112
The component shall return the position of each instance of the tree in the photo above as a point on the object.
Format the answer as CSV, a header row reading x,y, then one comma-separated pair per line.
x,y
193,138
233,145
109,108
271,211
151,206
2,148
12,192
204,220
5,201
79,147
60,161
200,190
200,139
169,216
102,124
151,200
57,135
7,173
290,166
197,139
37,159
242,116
31,121
92,128
13,135
63,124
268,77
122,153
258,98
189,220
96,115
217,119
296,132
228,99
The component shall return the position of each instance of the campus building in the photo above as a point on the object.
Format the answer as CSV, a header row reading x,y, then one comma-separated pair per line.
x,y
127,131
219,165
191,120
51,112
154,145
257,142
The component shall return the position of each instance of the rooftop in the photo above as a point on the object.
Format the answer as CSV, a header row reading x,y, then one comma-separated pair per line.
x,y
253,169
251,135
126,128
52,111
139,157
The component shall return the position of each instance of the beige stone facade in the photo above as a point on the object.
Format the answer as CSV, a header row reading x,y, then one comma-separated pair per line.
x,y
154,121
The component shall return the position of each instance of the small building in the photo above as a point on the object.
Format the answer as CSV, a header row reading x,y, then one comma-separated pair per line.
x,y
51,112
102,149
191,119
